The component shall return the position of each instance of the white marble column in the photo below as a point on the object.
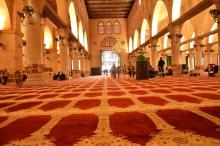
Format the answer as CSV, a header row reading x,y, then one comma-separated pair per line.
x,y
64,52
198,50
87,67
208,54
153,60
190,59
175,37
75,58
35,41
218,8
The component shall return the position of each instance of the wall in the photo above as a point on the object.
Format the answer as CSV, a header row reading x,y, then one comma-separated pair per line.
x,y
96,39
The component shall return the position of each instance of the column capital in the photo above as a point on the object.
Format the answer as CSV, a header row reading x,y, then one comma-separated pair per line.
x,y
173,29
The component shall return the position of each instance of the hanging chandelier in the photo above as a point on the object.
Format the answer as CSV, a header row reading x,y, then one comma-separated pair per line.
x,y
118,47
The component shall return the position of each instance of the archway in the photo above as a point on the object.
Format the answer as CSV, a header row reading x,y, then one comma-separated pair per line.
x,y
187,29
81,33
48,38
130,47
108,57
4,16
176,9
135,44
145,33
73,19
160,17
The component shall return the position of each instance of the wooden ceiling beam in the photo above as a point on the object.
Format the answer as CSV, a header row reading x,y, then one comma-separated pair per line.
x,y
108,6
107,9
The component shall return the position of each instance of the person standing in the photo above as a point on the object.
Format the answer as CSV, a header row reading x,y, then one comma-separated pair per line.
x,y
161,64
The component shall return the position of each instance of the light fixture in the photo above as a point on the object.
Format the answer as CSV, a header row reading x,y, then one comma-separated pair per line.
x,y
28,11
2,46
215,15
201,46
59,38
209,50
178,36
118,47
23,44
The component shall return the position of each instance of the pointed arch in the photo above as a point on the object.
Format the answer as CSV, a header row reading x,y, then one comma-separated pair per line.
x,y
145,33
130,47
73,19
176,9
135,44
187,29
160,17
4,16
81,33
48,38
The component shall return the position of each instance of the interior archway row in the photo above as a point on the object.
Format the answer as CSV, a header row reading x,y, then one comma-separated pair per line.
x,y
163,13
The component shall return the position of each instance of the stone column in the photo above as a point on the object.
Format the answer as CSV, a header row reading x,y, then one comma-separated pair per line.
x,y
87,67
75,58
64,51
198,50
35,41
153,60
218,8
208,54
175,37
190,59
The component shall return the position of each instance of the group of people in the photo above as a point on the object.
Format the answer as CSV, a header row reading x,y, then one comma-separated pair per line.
x,y
19,77
115,71
4,76
59,76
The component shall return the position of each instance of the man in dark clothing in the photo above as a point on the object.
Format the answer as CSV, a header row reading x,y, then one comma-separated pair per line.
x,y
161,64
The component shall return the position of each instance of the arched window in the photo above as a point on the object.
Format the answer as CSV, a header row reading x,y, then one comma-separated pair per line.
x,y
101,27
109,27
130,48
139,2
73,19
85,41
135,44
48,38
117,27
160,17
81,33
4,16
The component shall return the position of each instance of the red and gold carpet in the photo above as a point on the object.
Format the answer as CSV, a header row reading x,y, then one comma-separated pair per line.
x,y
100,111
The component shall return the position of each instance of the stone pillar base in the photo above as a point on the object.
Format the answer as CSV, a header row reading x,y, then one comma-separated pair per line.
x,y
87,73
35,79
76,74
177,70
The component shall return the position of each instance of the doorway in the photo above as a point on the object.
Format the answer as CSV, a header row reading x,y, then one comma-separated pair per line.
x,y
108,58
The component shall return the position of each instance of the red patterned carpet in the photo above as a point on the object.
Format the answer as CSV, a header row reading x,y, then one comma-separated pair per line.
x,y
100,111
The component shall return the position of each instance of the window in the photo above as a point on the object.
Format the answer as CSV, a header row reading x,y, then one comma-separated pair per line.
x,y
101,27
117,27
109,27
139,2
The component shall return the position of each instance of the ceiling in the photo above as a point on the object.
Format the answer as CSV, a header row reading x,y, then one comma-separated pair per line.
x,y
104,8
108,8
53,4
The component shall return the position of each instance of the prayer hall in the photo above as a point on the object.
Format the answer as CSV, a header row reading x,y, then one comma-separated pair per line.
x,y
109,72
